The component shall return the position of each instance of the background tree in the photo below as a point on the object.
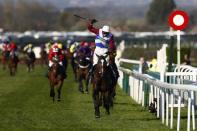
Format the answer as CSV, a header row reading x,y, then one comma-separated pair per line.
x,y
159,11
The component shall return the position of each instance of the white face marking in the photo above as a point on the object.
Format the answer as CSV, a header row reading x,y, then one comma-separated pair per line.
x,y
102,61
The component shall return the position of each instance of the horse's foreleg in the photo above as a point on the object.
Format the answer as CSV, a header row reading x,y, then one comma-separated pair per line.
x,y
59,90
80,84
96,103
52,92
106,101
87,84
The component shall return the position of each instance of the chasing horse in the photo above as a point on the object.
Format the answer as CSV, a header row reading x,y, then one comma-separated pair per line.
x,y
30,57
56,74
12,64
73,53
43,54
5,54
84,64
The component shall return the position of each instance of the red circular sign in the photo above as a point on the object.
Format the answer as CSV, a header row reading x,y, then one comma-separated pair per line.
x,y
178,20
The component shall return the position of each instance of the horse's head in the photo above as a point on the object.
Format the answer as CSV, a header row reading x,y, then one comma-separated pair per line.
x,y
102,64
12,57
55,65
83,61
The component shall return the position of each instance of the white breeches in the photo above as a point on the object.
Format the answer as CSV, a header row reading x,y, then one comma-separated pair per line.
x,y
51,63
99,51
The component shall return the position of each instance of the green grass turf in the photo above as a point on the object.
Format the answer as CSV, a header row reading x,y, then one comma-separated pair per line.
x,y
25,105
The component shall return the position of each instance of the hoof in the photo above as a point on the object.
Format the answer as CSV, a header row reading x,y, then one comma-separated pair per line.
x,y
86,92
81,90
107,112
97,116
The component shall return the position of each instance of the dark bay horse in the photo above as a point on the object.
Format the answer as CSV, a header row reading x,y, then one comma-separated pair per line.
x,y
56,79
12,63
74,65
84,64
44,59
102,84
30,59
115,76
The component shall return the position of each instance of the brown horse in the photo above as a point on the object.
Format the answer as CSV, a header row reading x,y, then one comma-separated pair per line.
x,y
30,60
56,79
112,64
84,64
4,60
102,84
74,65
12,64
44,60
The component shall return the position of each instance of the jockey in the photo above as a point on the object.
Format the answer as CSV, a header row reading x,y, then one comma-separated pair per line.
x,y
104,43
5,46
85,49
47,47
12,48
28,48
92,47
5,51
53,52
84,44
74,47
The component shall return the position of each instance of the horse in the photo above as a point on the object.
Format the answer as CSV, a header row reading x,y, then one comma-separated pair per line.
x,y
12,63
102,84
30,59
65,60
84,64
114,77
56,78
4,60
44,60
74,65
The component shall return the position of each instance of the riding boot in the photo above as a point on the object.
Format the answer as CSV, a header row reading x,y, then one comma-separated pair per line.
x,y
114,70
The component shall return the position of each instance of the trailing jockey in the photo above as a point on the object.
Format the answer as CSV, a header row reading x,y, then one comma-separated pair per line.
x,y
54,52
104,43
28,49
5,51
12,48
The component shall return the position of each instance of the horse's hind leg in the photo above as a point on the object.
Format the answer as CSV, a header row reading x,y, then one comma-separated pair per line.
x,y
106,101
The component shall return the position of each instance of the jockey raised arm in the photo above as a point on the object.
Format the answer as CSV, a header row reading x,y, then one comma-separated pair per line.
x,y
104,43
103,33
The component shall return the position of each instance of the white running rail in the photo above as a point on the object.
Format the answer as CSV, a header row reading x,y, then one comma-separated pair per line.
x,y
164,93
